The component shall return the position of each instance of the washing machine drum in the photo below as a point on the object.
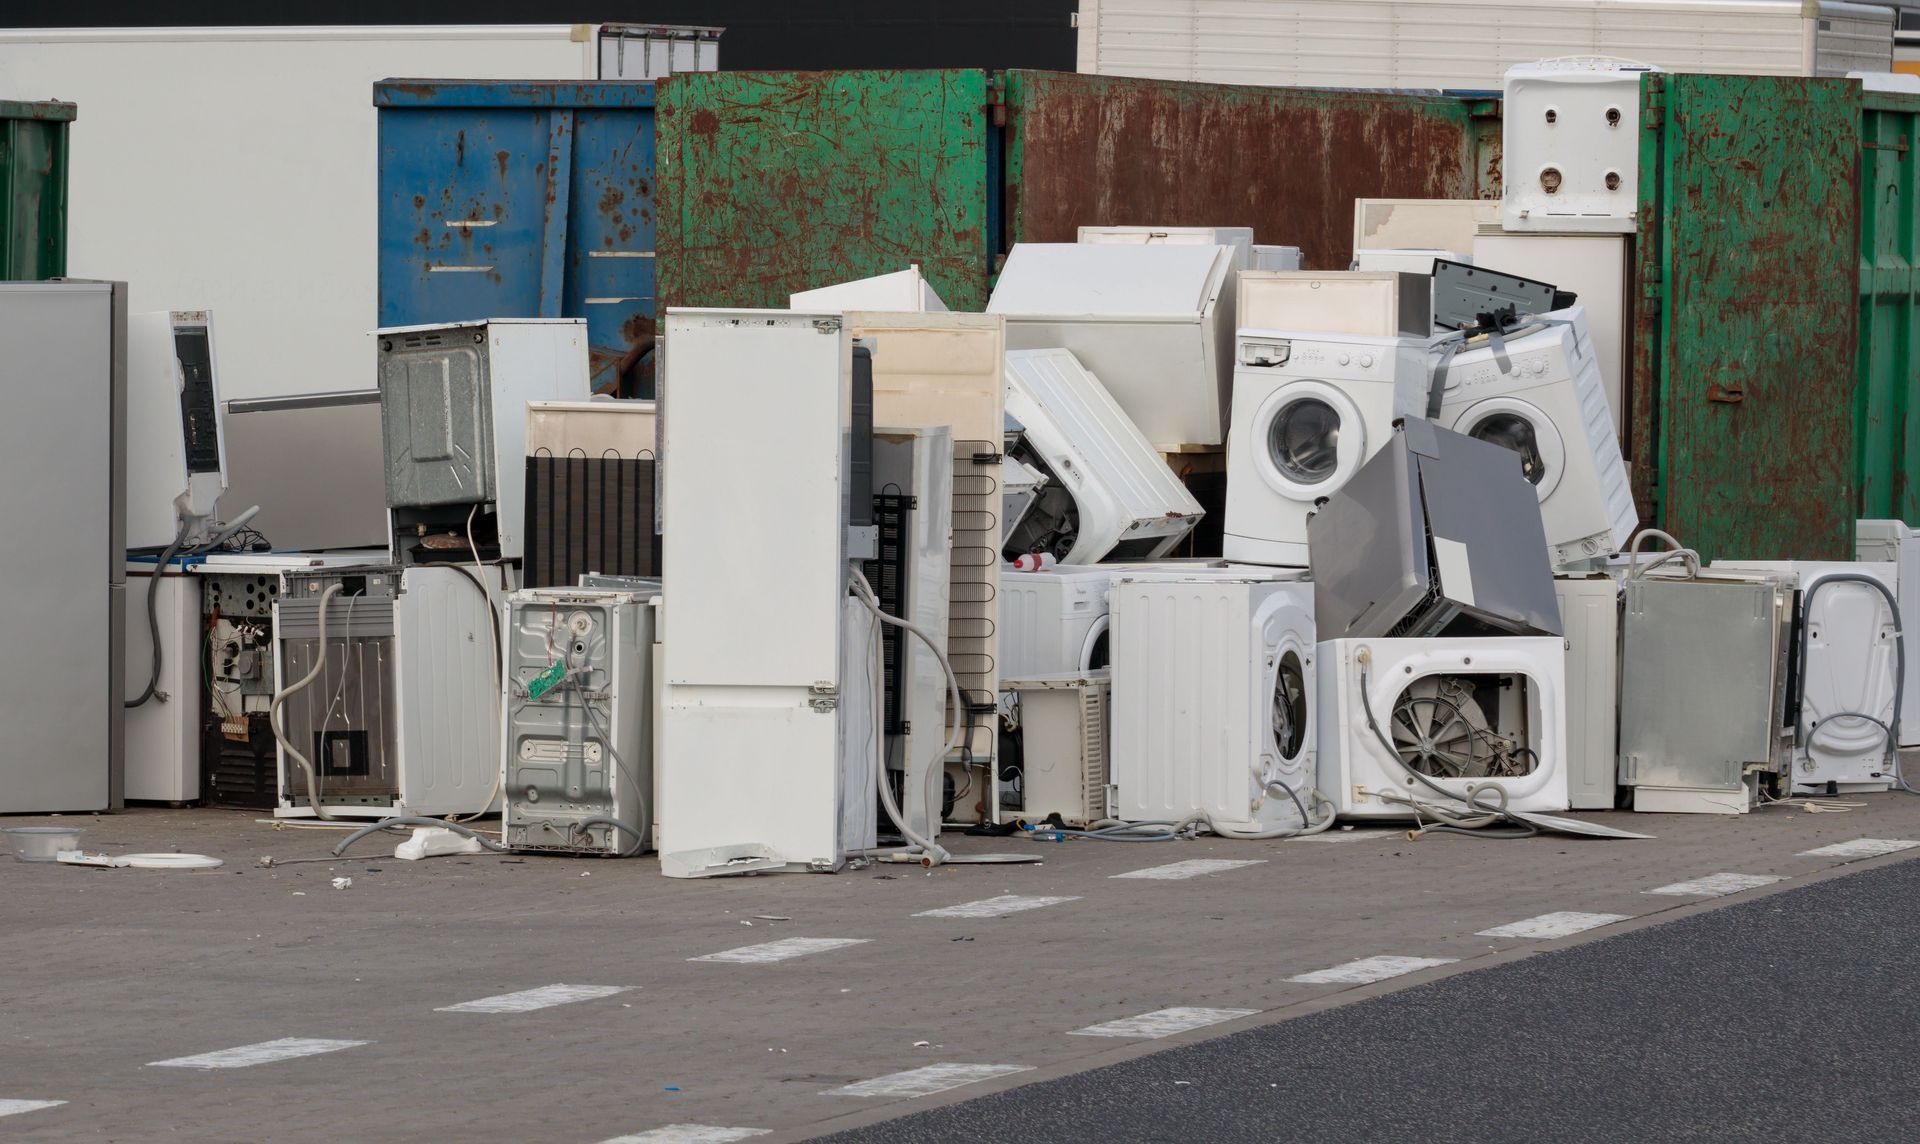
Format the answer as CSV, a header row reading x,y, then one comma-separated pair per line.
x,y
1308,438
1523,428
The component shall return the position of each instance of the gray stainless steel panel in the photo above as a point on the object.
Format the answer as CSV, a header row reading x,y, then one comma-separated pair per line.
x,y
1699,697
314,465
436,411
344,721
116,567
59,702
1438,534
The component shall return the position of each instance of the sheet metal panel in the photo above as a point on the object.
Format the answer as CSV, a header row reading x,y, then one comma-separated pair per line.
x,y
1087,150
778,182
522,200
1742,402
33,189
1886,418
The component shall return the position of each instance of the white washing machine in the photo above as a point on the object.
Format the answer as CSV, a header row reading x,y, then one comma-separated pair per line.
x,y
1848,668
1108,494
1212,697
1540,394
1053,621
1465,712
1308,411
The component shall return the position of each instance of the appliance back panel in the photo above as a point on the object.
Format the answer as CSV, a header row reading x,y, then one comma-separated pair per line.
x,y
590,515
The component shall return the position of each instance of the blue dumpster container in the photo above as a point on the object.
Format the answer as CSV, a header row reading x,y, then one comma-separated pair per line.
x,y
522,199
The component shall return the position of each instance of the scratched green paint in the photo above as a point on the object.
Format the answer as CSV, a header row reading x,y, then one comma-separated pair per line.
x,y
1886,415
1748,295
776,182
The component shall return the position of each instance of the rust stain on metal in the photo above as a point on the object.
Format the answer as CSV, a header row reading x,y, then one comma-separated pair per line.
x,y
1098,150
500,160
1751,293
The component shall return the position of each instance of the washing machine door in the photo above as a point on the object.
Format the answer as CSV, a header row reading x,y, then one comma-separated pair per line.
x,y
1307,439
1524,428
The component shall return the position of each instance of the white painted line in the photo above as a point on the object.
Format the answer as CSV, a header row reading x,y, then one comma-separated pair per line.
x,y
926,1081
264,1053
780,950
1369,969
993,907
1563,924
690,1134
1163,1022
527,1000
16,1107
1714,885
1191,868
1861,848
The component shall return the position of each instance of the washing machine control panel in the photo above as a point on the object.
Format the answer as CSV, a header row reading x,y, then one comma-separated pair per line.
x,y
1485,373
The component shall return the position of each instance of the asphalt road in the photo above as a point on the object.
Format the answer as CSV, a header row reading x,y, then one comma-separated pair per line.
x,y
1787,1017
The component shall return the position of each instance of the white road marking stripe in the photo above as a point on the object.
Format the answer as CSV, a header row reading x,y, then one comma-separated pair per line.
x,y
16,1107
780,950
527,1000
264,1053
1191,868
1861,848
1369,969
1714,885
1563,924
690,1134
993,907
1163,1022
927,1080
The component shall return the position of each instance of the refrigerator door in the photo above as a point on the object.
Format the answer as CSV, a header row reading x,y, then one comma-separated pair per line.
x,y
62,362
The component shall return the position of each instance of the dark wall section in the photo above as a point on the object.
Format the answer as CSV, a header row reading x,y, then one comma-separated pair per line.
x,y
760,33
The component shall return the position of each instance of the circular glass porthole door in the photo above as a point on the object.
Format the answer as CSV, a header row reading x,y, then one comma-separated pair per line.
x,y
1307,439
1523,428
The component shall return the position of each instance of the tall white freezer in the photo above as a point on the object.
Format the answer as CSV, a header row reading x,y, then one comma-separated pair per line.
x,y
63,367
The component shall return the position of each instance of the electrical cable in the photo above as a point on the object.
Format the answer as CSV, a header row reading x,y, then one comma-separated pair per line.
x,y
932,854
1676,550
416,820
273,712
153,614
1488,816
606,739
177,547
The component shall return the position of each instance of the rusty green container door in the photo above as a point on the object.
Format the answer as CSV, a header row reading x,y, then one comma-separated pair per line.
x,y
1745,323
33,190
1886,421
1090,150
775,182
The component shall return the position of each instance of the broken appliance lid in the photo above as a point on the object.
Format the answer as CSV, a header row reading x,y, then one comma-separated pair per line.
x,y
1437,535
905,291
1066,279
1467,296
